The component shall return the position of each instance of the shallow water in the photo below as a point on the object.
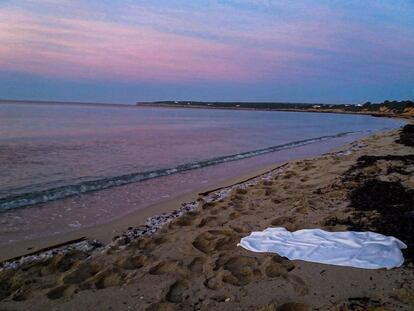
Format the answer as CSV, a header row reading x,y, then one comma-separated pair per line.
x,y
50,152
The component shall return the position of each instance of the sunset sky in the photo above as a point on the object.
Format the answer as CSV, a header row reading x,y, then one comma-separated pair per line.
x,y
127,51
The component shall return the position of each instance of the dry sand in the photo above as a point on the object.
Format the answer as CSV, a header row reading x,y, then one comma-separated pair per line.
x,y
193,262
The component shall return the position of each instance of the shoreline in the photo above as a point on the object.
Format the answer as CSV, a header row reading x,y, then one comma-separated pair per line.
x,y
28,199
107,231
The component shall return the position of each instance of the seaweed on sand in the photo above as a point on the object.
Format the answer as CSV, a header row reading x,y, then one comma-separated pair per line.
x,y
396,164
385,197
407,135
395,205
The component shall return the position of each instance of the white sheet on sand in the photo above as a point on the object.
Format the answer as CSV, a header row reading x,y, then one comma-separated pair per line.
x,y
367,250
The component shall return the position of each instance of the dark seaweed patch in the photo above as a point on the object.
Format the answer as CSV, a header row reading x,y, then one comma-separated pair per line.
x,y
407,135
397,164
366,160
395,205
383,196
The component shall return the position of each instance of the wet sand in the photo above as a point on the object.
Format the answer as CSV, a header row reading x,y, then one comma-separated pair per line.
x,y
193,262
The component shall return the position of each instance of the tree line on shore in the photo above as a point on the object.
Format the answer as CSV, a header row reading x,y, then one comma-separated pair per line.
x,y
387,105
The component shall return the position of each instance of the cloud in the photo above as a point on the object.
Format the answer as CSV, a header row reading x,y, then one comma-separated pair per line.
x,y
181,41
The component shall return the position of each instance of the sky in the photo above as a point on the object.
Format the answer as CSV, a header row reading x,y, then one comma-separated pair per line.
x,y
328,51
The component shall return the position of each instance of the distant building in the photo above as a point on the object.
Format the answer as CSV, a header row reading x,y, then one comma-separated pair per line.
x,y
316,106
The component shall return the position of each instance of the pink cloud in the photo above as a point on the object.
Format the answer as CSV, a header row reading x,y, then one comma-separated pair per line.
x,y
105,50
219,44
91,48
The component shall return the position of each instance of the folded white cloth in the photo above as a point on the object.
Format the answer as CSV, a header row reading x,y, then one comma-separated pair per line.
x,y
367,250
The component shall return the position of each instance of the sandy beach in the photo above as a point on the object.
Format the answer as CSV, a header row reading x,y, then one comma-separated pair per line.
x,y
189,259
207,155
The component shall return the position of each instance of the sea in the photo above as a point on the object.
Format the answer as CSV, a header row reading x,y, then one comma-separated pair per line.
x,y
68,166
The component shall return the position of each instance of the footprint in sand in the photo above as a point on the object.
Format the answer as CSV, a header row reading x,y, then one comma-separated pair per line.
x,y
241,191
183,221
242,229
284,221
176,292
19,287
91,276
62,262
209,206
132,262
289,174
237,198
239,206
21,294
269,191
234,215
298,284
57,292
148,243
243,270
87,277
211,221
81,273
216,281
108,278
278,266
216,240
234,270
167,267
216,211
197,266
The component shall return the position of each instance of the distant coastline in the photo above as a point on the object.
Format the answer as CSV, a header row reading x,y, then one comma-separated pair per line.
x,y
401,109
388,109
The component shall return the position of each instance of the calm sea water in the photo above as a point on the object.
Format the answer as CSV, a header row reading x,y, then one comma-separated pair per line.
x,y
49,152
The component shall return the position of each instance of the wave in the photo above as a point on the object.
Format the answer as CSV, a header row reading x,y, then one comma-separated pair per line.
x,y
52,194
